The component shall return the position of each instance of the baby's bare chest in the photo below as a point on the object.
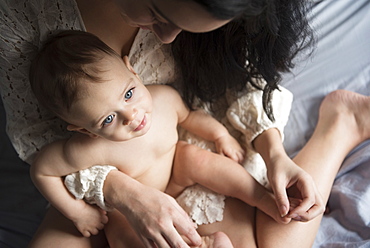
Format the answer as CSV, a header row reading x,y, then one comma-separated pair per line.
x,y
149,158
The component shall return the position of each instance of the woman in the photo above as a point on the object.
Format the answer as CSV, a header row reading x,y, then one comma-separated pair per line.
x,y
112,25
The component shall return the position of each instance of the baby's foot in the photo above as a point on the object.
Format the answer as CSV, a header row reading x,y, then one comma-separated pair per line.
x,y
349,110
267,204
216,240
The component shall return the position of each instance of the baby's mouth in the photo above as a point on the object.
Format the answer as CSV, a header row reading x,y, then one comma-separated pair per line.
x,y
141,125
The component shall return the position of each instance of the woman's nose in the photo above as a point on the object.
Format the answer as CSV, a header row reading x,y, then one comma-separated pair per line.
x,y
128,115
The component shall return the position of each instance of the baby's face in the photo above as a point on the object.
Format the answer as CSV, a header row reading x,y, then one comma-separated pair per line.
x,y
118,109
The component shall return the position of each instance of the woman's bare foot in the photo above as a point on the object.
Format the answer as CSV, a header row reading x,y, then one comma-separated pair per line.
x,y
348,111
216,240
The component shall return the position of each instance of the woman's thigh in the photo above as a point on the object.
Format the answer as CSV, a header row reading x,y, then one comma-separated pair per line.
x,y
238,223
119,232
269,233
57,231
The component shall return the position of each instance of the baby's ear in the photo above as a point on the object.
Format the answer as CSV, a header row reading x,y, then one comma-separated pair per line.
x,y
128,64
74,128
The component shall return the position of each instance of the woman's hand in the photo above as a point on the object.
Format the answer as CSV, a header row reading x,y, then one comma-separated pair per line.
x,y
155,216
287,179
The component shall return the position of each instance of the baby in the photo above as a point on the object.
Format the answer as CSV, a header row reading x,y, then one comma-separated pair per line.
x,y
122,123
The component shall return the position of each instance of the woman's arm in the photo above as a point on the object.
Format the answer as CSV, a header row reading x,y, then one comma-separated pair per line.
x,y
155,216
264,136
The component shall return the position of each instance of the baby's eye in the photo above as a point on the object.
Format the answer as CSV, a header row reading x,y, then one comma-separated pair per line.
x,y
129,93
108,120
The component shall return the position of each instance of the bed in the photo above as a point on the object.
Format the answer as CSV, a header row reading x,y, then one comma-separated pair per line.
x,y
341,60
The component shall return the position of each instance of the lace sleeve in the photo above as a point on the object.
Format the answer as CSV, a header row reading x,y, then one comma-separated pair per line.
x,y
246,114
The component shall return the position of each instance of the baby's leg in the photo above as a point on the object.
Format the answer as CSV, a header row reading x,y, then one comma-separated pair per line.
x,y
344,122
220,174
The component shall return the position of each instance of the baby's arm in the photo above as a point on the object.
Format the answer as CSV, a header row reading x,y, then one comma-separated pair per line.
x,y
205,126
46,173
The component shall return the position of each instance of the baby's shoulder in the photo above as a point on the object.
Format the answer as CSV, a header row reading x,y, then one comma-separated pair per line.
x,y
82,145
165,97
74,151
163,91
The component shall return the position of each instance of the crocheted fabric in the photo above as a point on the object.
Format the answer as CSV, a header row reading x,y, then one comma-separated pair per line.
x,y
88,184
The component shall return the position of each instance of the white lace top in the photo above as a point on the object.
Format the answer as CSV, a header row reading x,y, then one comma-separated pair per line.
x,y
25,25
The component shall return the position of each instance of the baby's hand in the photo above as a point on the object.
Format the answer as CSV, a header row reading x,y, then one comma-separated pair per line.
x,y
230,147
90,220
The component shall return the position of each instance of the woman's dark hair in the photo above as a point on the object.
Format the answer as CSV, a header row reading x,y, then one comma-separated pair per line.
x,y
260,42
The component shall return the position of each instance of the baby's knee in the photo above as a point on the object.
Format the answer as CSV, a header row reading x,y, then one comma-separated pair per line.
x,y
189,155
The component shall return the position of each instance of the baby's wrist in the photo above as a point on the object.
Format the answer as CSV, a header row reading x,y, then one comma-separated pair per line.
x,y
75,212
222,137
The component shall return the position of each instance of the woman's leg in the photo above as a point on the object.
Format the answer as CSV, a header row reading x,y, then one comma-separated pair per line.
x,y
119,232
57,231
238,224
344,122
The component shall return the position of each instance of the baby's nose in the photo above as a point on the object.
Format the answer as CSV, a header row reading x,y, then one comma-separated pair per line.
x,y
129,116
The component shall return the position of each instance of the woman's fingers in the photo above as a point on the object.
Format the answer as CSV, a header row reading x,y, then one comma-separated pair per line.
x,y
168,226
311,204
184,227
173,237
278,186
302,188
282,200
189,233
308,209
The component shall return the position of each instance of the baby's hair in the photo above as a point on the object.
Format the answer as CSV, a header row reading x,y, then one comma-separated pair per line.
x,y
64,61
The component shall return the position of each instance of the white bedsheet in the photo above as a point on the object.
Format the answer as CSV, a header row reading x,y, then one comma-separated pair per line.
x,y
341,61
